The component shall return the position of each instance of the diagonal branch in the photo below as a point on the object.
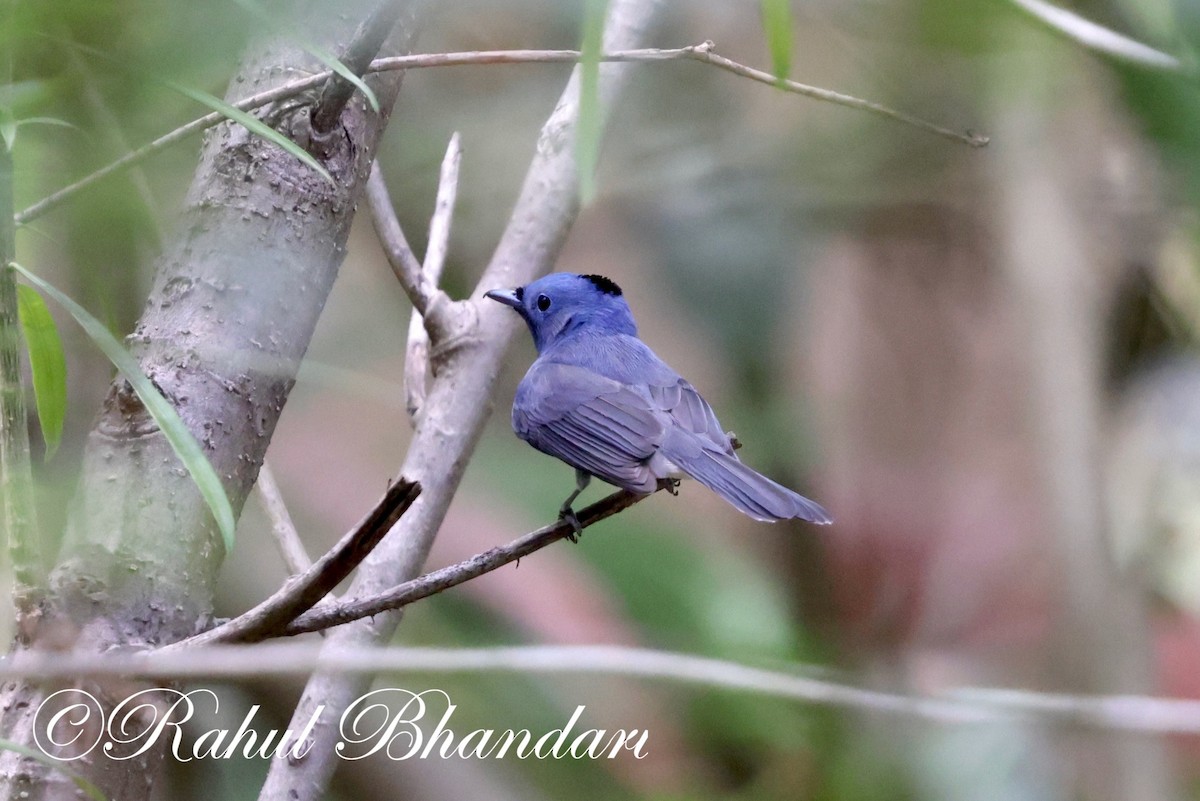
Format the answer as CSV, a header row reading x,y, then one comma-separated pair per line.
x,y
701,52
705,53
402,260
336,614
420,281
303,592
282,528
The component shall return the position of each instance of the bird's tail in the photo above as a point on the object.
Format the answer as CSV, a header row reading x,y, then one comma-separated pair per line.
x,y
752,493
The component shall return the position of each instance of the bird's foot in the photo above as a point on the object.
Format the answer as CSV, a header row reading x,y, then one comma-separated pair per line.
x,y
671,485
568,514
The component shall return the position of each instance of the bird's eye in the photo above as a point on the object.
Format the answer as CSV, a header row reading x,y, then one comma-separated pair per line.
x,y
543,302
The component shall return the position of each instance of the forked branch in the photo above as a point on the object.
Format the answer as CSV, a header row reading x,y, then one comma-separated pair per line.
x,y
303,592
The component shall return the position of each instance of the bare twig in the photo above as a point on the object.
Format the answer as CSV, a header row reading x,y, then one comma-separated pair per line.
x,y
443,212
416,357
287,539
956,705
702,52
335,614
364,46
705,53
303,592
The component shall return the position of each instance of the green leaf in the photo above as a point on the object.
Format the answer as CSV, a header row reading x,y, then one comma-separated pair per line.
x,y
589,127
47,363
182,442
254,125
777,25
93,792
321,54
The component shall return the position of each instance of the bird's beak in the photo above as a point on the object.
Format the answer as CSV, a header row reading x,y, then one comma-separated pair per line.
x,y
506,296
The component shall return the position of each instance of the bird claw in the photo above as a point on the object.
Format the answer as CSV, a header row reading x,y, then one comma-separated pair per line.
x,y
568,514
671,485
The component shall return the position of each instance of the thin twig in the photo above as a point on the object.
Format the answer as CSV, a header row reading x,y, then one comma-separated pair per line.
x,y
364,46
957,705
702,52
303,592
416,358
705,53
336,614
443,212
287,539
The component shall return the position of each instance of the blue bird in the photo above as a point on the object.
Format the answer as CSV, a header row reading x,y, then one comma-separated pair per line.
x,y
600,400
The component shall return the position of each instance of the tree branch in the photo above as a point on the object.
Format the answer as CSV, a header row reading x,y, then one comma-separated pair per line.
x,y
420,281
424,326
443,213
287,539
954,705
404,263
303,592
336,614
702,52
705,54
364,46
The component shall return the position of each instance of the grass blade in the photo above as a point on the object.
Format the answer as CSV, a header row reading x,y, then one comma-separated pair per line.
x,y
8,128
1096,37
312,48
182,442
588,129
92,791
46,121
777,25
46,362
254,125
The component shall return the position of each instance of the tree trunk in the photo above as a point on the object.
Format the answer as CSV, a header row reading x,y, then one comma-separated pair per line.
x,y
235,300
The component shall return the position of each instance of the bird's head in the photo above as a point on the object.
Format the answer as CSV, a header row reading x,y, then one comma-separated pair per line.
x,y
562,304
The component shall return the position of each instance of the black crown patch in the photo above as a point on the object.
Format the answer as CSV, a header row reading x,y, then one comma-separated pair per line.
x,y
605,285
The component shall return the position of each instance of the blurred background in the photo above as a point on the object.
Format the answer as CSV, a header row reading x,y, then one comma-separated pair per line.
x,y
981,361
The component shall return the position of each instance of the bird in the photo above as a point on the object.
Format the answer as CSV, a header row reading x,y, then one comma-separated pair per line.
x,y
598,398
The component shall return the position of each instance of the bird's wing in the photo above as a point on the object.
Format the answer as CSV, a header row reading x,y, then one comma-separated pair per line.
x,y
696,445
690,413
591,422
